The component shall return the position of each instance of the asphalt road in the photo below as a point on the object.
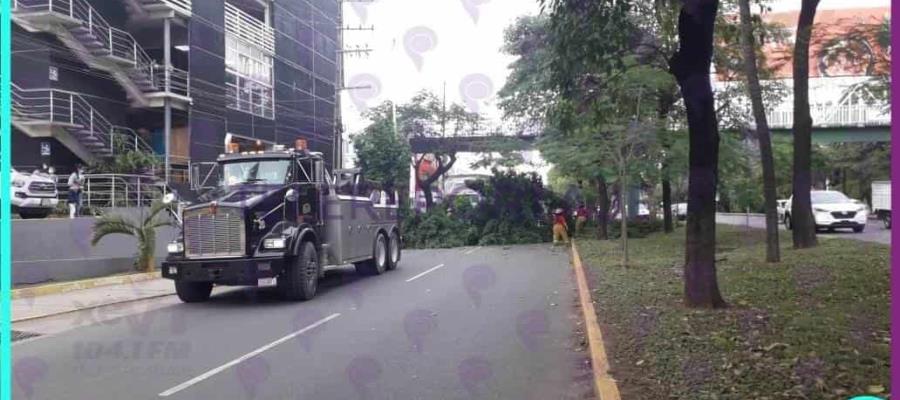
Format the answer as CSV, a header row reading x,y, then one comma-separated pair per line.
x,y
874,232
476,323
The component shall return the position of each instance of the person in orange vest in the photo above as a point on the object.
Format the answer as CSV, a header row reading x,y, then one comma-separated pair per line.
x,y
560,227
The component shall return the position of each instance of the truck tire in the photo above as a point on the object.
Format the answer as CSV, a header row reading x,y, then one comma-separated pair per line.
x,y
787,222
859,229
193,292
886,219
378,263
300,277
394,249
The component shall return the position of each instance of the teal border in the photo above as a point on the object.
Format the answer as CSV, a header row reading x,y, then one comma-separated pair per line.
x,y
5,223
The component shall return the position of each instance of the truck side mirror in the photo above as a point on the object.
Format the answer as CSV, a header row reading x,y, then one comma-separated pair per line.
x,y
290,195
168,198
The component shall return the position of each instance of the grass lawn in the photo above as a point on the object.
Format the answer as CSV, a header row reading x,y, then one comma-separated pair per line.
x,y
815,326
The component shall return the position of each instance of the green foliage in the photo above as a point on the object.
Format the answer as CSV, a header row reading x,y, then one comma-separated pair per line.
x,y
637,228
514,210
382,154
126,160
142,229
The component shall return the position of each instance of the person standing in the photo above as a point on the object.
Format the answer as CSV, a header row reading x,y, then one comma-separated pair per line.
x,y
560,227
76,180
581,217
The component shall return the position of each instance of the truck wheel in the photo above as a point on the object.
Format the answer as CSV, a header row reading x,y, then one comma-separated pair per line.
x,y
859,229
300,277
193,292
394,247
887,220
787,222
378,264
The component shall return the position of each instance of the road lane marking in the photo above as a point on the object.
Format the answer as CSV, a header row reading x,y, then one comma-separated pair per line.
x,y
423,274
473,250
244,357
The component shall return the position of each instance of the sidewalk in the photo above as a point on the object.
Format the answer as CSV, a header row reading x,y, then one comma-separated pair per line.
x,y
38,306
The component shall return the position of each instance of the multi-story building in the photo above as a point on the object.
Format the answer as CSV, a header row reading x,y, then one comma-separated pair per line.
x,y
179,78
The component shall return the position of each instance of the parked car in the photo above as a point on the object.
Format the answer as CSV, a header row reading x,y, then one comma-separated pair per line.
x,y
831,210
34,195
881,201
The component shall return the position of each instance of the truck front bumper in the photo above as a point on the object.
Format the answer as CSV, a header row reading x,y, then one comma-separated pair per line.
x,y
230,272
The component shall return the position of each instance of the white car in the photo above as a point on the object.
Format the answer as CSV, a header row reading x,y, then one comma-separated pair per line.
x,y
34,195
833,209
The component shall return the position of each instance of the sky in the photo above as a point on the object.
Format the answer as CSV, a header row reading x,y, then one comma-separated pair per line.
x,y
421,44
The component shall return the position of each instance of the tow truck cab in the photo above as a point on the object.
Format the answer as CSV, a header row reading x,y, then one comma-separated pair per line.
x,y
278,217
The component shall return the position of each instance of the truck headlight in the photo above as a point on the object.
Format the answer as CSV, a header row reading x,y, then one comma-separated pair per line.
x,y
18,183
274,243
175,248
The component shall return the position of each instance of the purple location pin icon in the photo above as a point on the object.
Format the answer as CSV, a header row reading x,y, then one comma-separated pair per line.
x,y
361,372
474,89
363,89
476,279
473,372
252,373
28,371
304,318
417,41
532,328
471,7
418,324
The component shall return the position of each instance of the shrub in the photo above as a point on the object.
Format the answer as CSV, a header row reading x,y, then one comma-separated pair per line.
x,y
640,227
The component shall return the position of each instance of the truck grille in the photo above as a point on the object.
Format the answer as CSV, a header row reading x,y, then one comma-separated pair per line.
x,y
208,234
42,187
846,214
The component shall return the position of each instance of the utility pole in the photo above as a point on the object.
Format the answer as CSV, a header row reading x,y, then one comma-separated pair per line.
x,y
167,119
444,112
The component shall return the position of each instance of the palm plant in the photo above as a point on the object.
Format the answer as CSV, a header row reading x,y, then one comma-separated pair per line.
x,y
143,229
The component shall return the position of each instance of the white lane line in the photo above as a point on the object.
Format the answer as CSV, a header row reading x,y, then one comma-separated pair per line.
x,y
423,274
244,357
473,250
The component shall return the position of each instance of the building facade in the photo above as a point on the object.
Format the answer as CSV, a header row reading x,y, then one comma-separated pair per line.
x,y
178,78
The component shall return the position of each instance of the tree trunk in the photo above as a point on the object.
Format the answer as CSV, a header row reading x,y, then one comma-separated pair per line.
x,y
762,133
690,65
623,228
429,197
603,213
804,225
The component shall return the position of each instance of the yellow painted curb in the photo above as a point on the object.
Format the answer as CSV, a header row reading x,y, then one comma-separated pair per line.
x,y
604,385
63,287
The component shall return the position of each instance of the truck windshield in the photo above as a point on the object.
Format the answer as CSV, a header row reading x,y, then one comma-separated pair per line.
x,y
256,171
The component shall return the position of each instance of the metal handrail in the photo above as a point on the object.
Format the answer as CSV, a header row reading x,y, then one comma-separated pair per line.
x,y
132,140
118,43
121,190
249,29
179,80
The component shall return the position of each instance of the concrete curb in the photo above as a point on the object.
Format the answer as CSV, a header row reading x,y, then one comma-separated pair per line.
x,y
605,386
90,307
63,287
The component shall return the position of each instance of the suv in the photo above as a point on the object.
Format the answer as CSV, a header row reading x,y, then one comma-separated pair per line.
x,y
831,210
34,195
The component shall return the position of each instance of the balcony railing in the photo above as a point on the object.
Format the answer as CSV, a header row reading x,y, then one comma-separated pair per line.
x,y
178,82
249,29
856,115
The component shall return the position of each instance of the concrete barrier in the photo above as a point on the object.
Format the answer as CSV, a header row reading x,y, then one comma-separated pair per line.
x,y
59,249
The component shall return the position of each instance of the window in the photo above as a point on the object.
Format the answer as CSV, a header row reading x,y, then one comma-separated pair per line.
x,y
271,172
248,64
